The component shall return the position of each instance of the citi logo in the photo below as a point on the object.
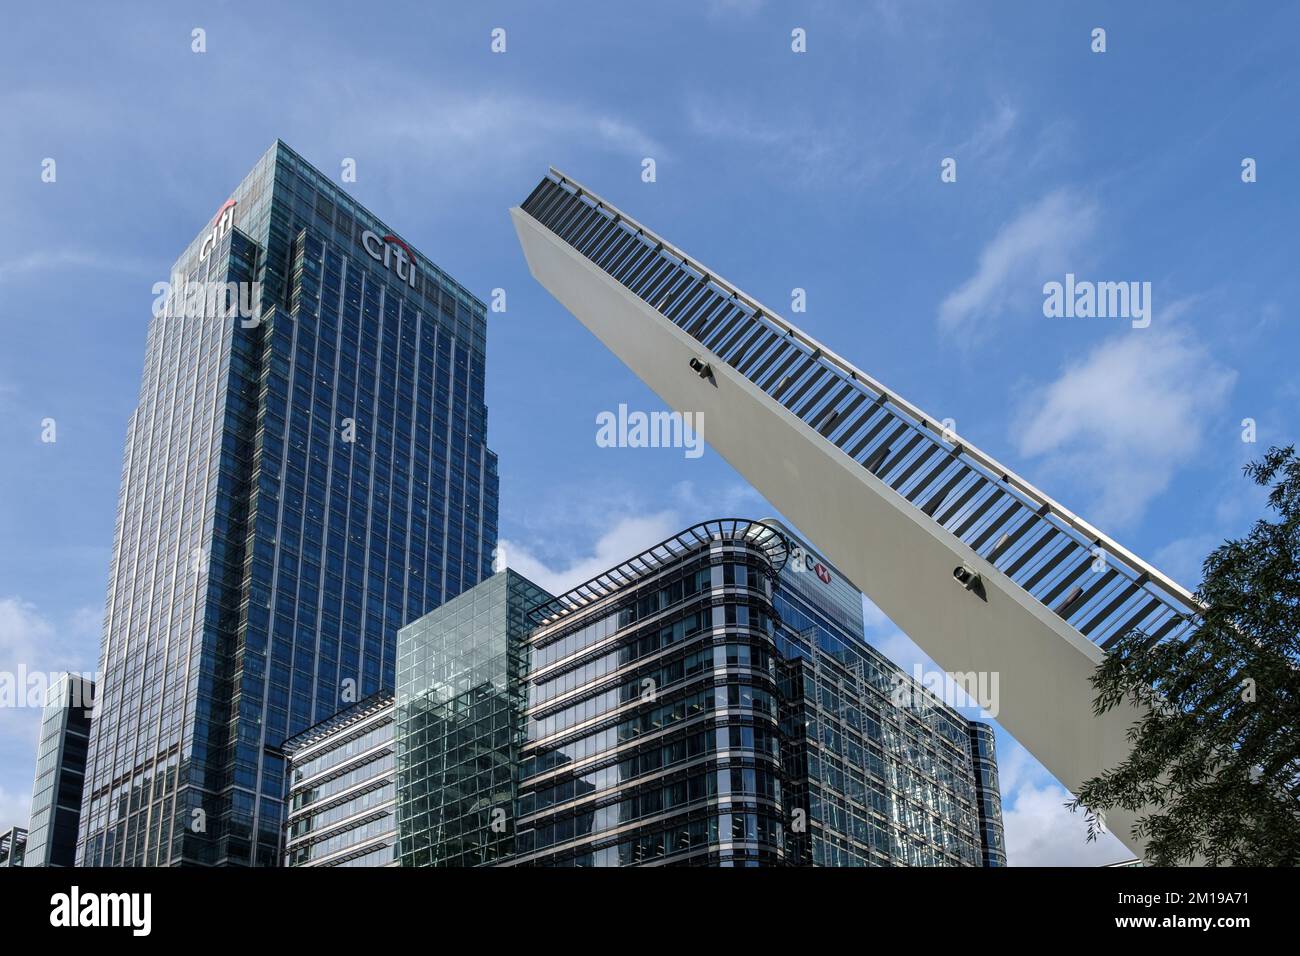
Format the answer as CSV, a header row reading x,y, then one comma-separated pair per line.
x,y
393,253
225,219
75,909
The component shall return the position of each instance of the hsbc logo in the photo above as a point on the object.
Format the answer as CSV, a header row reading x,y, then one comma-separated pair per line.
x,y
224,221
392,252
803,561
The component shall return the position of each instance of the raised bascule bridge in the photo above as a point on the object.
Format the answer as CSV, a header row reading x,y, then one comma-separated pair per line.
x,y
982,570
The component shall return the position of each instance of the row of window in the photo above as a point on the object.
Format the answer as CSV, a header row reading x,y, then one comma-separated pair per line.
x,y
747,737
733,696
654,799
680,838
648,604
649,684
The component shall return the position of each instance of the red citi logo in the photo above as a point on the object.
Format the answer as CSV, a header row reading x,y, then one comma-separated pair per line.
x,y
224,220
393,253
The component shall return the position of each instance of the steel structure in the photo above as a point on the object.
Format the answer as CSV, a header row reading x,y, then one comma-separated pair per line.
x,y
985,572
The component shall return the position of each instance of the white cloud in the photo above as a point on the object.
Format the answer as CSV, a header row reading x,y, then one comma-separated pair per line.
x,y
990,134
1040,831
1121,421
71,259
23,633
1041,241
29,638
33,649
625,538
618,537
805,152
470,132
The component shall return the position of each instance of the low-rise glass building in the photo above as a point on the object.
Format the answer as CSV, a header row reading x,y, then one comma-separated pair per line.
x,y
460,709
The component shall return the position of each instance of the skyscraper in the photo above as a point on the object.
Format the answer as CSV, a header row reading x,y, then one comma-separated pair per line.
x,y
306,471
60,772
887,774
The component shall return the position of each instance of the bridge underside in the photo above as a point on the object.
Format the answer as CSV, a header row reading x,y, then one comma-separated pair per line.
x,y
898,555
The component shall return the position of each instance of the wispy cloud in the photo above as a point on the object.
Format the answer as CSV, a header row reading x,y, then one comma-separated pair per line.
x,y
1041,241
617,537
625,538
82,260
469,131
992,133
1121,421
804,152
720,9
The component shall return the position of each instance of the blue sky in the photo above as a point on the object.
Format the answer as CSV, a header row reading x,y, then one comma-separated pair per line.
x,y
779,170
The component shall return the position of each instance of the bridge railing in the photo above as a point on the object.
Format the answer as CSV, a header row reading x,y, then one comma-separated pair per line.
x,y
1100,588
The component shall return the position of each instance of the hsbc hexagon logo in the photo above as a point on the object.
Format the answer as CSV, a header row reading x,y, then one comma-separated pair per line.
x,y
803,561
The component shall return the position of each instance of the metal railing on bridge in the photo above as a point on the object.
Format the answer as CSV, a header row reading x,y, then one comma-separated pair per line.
x,y
1098,587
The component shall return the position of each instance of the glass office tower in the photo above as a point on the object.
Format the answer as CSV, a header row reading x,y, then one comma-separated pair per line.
x,y
886,773
60,772
305,472
653,731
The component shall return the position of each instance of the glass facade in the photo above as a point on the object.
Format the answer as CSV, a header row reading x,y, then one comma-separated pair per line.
x,y
298,483
12,844
60,772
710,702
885,773
343,789
460,724
653,729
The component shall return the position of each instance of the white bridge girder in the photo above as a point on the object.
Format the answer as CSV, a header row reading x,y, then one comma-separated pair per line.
x,y
897,555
